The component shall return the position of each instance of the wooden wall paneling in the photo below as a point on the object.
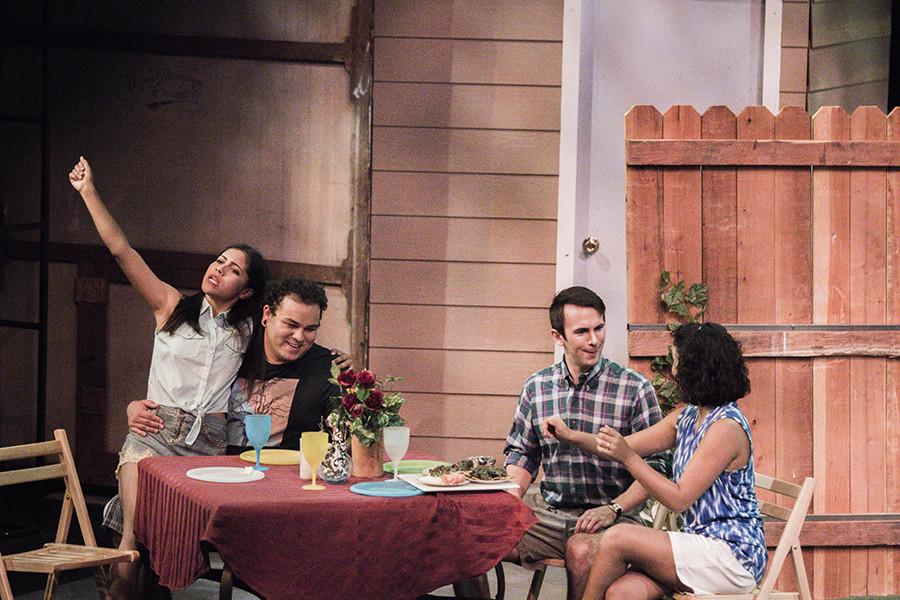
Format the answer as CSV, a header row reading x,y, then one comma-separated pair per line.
x,y
464,284
720,222
792,99
459,415
439,371
793,69
464,195
468,61
831,400
269,188
457,105
682,203
793,304
892,382
867,375
289,21
756,279
18,361
841,22
453,449
644,222
465,150
795,24
522,20
461,239
460,328
859,94
845,64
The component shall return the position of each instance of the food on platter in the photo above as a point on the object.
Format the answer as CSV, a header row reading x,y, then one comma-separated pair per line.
x,y
487,474
467,466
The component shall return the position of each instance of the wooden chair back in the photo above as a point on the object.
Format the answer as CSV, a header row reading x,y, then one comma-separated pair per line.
x,y
62,556
790,537
789,543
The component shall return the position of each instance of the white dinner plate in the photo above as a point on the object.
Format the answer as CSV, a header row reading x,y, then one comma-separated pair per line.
x,y
225,474
436,481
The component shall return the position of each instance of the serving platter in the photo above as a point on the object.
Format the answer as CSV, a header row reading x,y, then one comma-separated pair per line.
x,y
416,480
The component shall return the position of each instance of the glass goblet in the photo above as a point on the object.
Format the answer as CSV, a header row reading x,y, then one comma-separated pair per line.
x,y
313,444
257,428
396,443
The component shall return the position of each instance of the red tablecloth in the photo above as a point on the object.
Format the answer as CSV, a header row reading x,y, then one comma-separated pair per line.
x,y
285,542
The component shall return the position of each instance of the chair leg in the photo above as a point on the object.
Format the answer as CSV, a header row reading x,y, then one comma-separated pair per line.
x,y
800,572
537,580
50,587
501,581
225,583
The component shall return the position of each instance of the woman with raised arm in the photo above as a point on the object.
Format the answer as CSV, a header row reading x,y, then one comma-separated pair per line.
x,y
197,348
721,549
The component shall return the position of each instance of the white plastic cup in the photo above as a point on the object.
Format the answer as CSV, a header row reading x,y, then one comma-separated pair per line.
x,y
305,469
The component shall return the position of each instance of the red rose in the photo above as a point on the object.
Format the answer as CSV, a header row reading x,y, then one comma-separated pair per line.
x,y
375,401
347,378
348,400
356,410
365,378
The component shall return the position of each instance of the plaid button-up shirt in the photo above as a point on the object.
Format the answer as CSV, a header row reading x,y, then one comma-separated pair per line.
x,y
608,394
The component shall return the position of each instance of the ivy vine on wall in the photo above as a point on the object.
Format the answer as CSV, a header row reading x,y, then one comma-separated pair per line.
x,y
688,305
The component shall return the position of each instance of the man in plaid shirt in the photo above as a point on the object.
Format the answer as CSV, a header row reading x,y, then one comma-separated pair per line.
x,y
560,411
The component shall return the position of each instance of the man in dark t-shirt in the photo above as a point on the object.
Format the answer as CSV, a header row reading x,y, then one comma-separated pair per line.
x,y
292,386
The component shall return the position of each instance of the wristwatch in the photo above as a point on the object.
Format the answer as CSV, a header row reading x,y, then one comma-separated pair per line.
x,y
616,507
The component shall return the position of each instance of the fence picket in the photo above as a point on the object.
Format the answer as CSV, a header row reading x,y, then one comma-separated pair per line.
x,y
756,281
892,382
868,190
831,398
720,221
643,224
682,253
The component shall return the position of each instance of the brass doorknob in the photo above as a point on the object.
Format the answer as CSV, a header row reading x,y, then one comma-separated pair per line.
x,y
590,245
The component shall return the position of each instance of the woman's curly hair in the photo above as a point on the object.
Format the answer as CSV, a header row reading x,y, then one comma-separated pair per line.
x,y
711,369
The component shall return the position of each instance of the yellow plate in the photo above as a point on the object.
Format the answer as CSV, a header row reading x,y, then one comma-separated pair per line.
x,y
273,456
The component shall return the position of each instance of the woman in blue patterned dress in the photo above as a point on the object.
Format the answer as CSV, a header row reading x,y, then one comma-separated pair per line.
x,y
721,548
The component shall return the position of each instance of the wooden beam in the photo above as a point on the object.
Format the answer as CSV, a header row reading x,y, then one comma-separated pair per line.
x,y
357,263
181,269
779,153
195,46
841,531
788,343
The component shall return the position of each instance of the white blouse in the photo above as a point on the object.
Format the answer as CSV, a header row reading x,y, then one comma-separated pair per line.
x,y
194,372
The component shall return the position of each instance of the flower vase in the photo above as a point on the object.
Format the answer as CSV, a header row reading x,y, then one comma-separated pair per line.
x,y
335,467
368,461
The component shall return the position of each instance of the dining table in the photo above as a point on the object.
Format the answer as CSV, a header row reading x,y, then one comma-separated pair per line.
x,y
282,541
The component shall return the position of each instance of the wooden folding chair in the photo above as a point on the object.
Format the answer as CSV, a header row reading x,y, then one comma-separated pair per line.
x,y
59,556
663,519
789,542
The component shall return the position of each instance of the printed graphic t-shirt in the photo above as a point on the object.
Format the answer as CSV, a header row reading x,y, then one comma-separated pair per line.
x,y
296,394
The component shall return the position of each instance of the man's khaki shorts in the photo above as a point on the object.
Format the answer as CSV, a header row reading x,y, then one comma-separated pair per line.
x,y
547,538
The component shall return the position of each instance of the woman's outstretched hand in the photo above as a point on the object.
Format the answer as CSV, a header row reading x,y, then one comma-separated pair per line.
x,y
611,444
81,175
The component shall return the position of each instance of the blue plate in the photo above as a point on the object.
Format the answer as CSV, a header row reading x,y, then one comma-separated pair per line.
x,y
386,489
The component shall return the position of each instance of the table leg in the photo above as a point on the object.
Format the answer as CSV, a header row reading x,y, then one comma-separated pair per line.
x,y
225,583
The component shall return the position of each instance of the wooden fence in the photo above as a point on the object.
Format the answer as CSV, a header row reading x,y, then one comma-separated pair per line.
x,y
794,225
